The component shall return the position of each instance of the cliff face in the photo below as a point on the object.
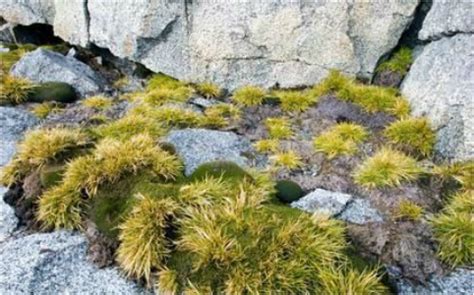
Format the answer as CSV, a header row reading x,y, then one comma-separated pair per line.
x,y
252,42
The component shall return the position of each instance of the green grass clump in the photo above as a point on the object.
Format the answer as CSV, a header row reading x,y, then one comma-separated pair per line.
x,y
341,139
14,90
162,81
170,116
400,62
408,210
51,175
461,172
208,89
286,159
143,242
249,96
267,145
8,59
129,126
216,169
295,101
453,229
43,110
387,167
220,115
161,96
97,102
344,280
279,128
413,135
40,147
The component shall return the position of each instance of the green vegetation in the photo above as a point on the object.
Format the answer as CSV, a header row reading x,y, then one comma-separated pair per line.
x,y
51,175
53,91
408,210
413,135
216,169
11,57
220,115
267,145
288,191
208,89
43,110
97,102
342,139
295,101
286,159
170,116
400,62
249,96
351,281
387,167
14,90
453,230
461,172
279,128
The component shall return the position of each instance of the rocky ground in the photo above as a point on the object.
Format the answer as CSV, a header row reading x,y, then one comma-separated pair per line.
x,y
34,260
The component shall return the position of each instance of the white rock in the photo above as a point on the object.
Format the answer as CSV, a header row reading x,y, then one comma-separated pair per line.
x,y
323,201
8,220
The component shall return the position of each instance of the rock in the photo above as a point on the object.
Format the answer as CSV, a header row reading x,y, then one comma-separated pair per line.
x,y
359,211
439,86
447,18
259,42
199,146
458,282
323,201
8,220
203,102
44,65
55,263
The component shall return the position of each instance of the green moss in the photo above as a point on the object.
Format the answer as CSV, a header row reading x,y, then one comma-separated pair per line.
x,y
226,169
288,191
51,175
400,62
53,91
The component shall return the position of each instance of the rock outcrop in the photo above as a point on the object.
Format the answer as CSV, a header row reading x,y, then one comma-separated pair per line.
x,y
439,84
257,42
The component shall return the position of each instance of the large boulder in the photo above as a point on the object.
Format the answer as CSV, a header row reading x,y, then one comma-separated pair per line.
x,y
199,146
440,86
27,12
258,42
56,263
43,65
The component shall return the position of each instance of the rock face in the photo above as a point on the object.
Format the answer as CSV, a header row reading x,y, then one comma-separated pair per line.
x,y
55,263
439,84
359,211
44,65
258,42
199,146
8,220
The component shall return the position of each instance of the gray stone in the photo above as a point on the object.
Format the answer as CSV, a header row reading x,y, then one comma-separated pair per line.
x,y
203,102
55,263
440,86
44,65
447,18
8,220
459,282
248,42
14,122
359,211
323,201
199,146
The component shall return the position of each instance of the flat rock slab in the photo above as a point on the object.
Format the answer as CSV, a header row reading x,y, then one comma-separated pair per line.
x,y
323,201
359,211
44,65
55,263
199,146
459,282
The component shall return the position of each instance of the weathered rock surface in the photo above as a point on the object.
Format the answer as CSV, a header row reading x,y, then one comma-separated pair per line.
x,y
447,18
8,220
460,282
199,146
44,65
257,42
55,263
440,86
323,201
360,211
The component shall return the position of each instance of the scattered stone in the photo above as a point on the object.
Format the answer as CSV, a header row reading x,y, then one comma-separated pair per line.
x,y
44,65
8,221
439,85
55,263
199,146
323,201
359,211
203,102
459,282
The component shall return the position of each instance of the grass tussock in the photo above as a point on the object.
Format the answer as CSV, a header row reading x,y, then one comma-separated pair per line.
x,y
44,109
170,116
14,90
249,96
342,139
143,242
208,89
267,145
413,135
387,167
40,147
350,281
97,102
408,210
220,115
286,159
279,128
460,172
400,62
8,59
295,101
453,230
